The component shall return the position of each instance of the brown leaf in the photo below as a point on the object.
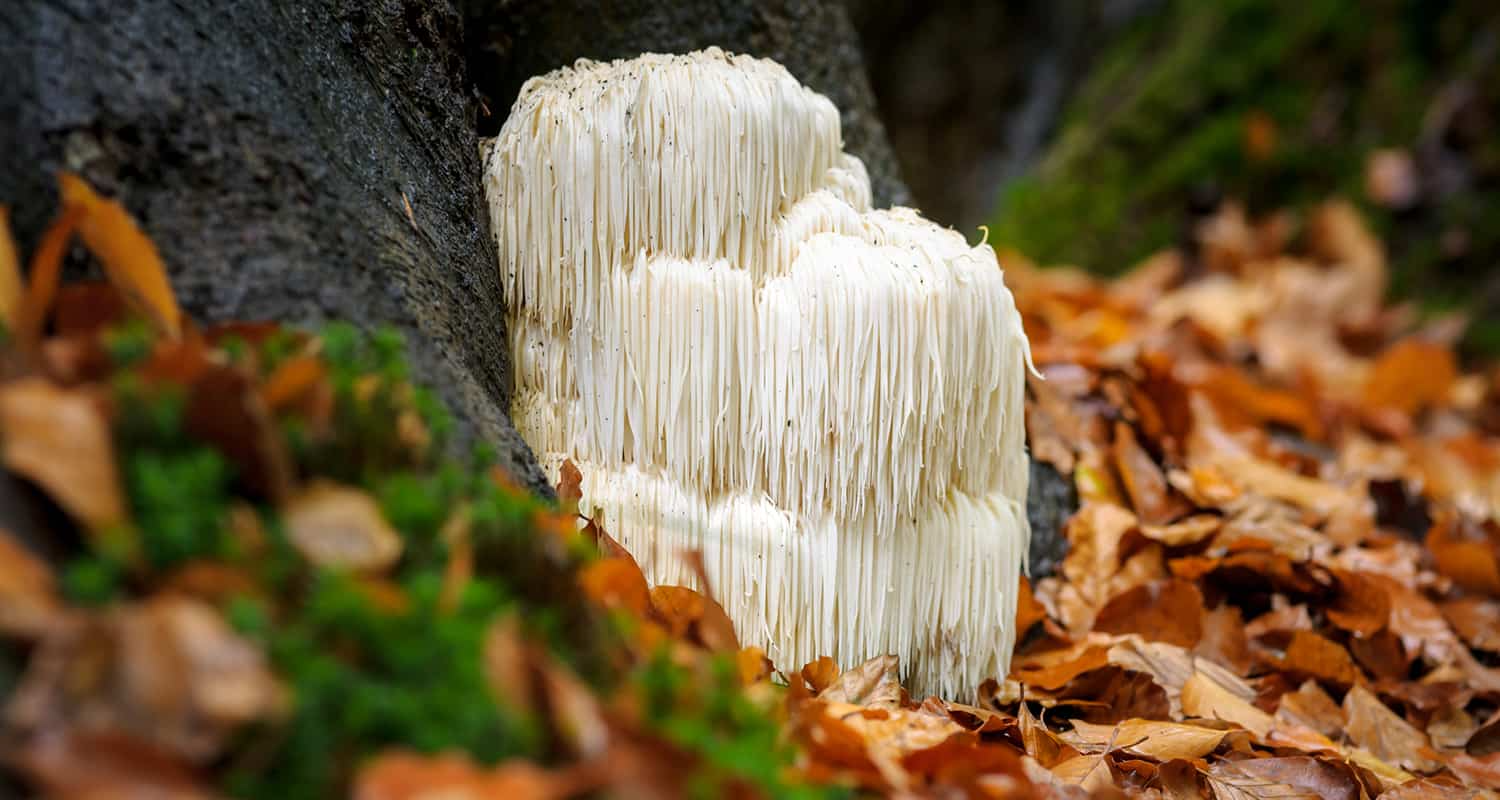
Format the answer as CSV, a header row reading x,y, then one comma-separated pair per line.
x,y
294,379
1224,640
58,439
1154,501
507,670
28,593
1311,707
1390,738
105,767
1230,782
1362,606
1028,611
128,256
340,527
754,666
1145,737
1477,621
1271,480
10,273
88,307
1206,698
1166,611
170,673
1054,669
1326,779
876,683
570,484
226,411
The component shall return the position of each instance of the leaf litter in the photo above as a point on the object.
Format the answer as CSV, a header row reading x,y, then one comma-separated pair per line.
x,y
1283,581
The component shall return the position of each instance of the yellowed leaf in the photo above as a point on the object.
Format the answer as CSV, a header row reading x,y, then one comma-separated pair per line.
x,y
341,527
1147,737
1203,697
127,254
28,593
1373,726
58,439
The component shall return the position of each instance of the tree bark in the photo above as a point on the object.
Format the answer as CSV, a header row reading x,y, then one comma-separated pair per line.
x,y
304,161
296,161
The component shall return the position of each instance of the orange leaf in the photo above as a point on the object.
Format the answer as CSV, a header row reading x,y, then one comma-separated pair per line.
x,y
43,277
1312,655
1168,610
10,273
820,674
291,380
128,256
1410,376
617,583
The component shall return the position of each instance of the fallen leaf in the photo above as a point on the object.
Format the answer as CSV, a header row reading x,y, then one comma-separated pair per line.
x,y
1145,737
1476,620
820,674
340,527
117,768
1390,738
1410,376
1230,782
43,276
1150,495
10,273
1361,607
617,583
1312,708
1314,656
128,256
1166,610
1205,698
399,775
58,439
875,683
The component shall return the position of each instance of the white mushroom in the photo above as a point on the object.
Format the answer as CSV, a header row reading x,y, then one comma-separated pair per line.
x,y
744,359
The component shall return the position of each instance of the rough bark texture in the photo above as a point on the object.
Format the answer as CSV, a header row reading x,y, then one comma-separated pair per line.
x,y
271,149
512,40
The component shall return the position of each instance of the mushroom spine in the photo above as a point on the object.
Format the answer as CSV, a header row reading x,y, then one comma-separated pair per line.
x,y
745,359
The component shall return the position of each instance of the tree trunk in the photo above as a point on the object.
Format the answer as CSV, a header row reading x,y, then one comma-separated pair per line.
x,y
296,161
303,161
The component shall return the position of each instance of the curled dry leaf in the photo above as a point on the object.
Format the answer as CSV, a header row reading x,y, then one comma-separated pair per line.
x,y
340,527
10,273
689,613
59,439
1203,697
617,583
875,683
127,254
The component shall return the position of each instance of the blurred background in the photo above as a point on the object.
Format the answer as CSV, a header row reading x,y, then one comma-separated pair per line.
x,y
1094,132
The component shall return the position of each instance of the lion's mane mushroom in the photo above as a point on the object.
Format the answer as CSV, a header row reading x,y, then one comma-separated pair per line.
x,y
745,359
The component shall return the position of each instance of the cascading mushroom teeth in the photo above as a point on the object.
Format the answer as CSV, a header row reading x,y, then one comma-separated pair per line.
x,y
747,360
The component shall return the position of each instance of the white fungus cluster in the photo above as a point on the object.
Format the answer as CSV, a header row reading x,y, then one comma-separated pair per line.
x,y
746,360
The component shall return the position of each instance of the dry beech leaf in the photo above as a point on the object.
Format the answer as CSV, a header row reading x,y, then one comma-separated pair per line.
x,y
1270,480
569,484
340,527
1477,621
820,674
1311,707
10,273
58,439
1205,698
1165,610
1390,738
684,610
1192,530
1146,737
1315,656
1230,782
127,254
506,667
875,683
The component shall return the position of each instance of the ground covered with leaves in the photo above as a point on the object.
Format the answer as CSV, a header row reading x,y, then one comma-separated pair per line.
x,y
244,560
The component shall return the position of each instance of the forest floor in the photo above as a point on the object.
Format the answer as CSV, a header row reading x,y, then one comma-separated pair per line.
x,y
239,559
